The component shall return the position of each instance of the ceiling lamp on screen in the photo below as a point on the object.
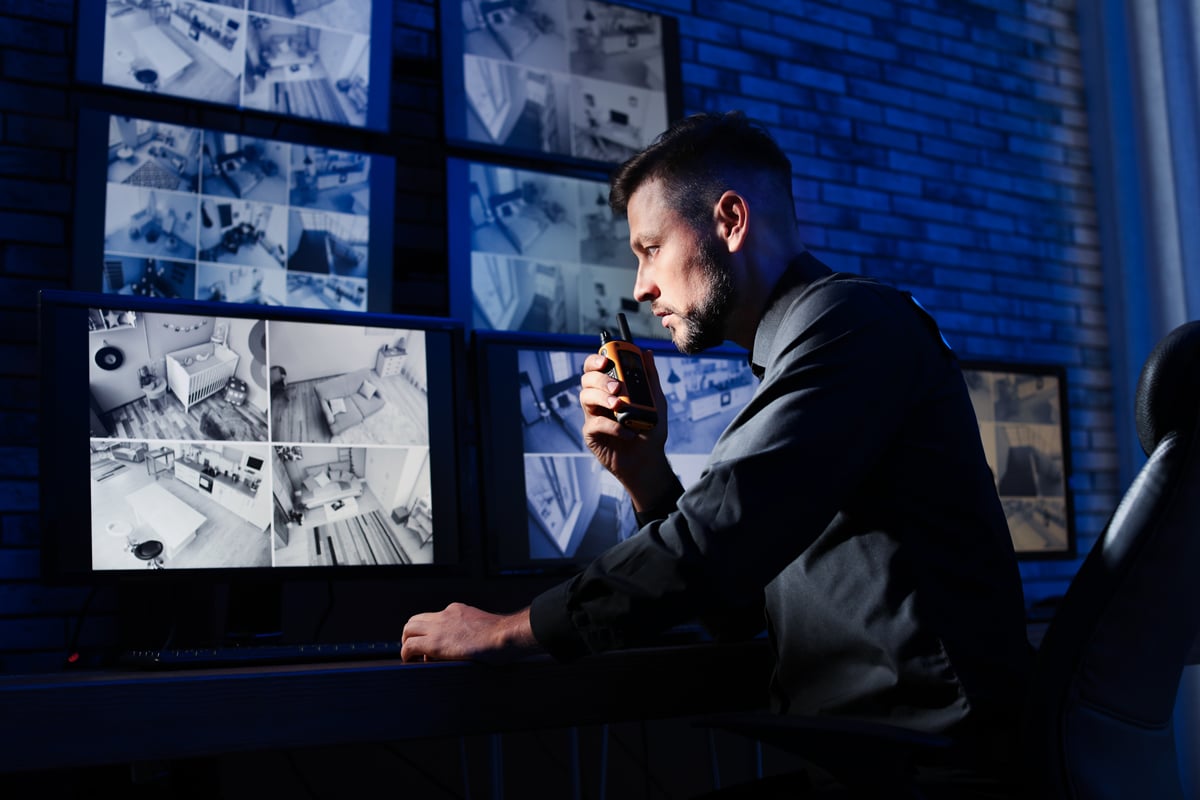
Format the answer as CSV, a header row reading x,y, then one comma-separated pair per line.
x,y
309,59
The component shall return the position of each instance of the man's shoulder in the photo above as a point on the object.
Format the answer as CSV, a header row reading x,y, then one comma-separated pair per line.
x,y
844,296
811,310
845,311
850,282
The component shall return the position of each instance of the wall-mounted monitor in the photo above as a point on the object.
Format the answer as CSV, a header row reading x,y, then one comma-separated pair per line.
x,y
581,79
548,505
176,211
1022,411
538,251
198,439
322,60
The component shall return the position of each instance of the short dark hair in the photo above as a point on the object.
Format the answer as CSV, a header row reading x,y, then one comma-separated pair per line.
x,y
697,159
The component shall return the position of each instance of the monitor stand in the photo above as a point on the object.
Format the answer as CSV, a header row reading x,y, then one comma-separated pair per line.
x,y
152,616
253,613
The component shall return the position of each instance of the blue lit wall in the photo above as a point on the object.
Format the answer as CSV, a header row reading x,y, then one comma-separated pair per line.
x,y
940,146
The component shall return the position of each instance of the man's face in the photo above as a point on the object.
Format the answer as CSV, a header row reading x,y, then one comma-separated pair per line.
x,y
685,275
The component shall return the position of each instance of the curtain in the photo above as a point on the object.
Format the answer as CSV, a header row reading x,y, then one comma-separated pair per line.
x,y
1141,62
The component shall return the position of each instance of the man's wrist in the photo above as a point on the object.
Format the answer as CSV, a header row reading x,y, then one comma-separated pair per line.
x,y
661,491
516,633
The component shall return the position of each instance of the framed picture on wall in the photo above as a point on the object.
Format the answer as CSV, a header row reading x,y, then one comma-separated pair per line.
x,y
1022,410
580,80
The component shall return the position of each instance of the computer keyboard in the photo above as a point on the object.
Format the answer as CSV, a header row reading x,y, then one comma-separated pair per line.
x,y
254,654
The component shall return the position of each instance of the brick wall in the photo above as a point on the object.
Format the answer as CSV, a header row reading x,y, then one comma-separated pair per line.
x,y
939,145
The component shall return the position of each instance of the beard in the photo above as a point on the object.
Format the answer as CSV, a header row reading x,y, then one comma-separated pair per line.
x,y
705,326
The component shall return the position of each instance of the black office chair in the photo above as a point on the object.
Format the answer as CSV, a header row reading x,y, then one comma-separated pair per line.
x,y
1100,712
1098,722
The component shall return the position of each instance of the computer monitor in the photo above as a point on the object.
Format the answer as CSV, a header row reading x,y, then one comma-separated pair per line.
x,y
180,211
229,440
538,251
328,61
548,505
1022,413
577,81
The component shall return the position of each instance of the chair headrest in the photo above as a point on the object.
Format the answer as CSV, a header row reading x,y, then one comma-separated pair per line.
x,y
1168,392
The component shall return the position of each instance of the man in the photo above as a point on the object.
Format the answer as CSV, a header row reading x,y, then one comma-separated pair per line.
x,y
848,507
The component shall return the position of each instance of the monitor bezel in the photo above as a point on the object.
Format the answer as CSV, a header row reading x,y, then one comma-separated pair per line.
x,y
65,550
1034,370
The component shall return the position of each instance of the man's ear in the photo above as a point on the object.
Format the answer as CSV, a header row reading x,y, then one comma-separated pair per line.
x,y
732,217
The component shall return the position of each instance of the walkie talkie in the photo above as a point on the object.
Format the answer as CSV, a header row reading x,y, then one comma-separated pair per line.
x,y
638,412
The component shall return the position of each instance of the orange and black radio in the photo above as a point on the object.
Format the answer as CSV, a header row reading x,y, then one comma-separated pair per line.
x,y
638,411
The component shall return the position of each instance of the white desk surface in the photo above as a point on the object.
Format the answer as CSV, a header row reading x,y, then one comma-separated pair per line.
x,y
168,58
174,521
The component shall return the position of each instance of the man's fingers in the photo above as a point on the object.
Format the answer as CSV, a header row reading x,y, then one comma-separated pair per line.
x,y
595,363
416,625
410,649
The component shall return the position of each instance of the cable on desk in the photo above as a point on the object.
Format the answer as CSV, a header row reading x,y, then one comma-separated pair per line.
x,y
497,753
569,768
653,786
394,749
299,773
73,638
462,763
646,776
714,759
573,751
603,760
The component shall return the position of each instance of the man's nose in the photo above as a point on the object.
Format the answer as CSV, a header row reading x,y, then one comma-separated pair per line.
x,y
644,289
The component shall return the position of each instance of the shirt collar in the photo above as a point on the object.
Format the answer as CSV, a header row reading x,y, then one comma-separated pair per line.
x,y
801,271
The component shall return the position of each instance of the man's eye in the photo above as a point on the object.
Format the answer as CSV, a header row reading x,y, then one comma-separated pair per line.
x,y
652,250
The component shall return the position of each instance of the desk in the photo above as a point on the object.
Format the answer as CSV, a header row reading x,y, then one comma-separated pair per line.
x,y
91,718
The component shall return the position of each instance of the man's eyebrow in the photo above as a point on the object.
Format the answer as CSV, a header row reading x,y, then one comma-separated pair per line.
x,y
640,240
